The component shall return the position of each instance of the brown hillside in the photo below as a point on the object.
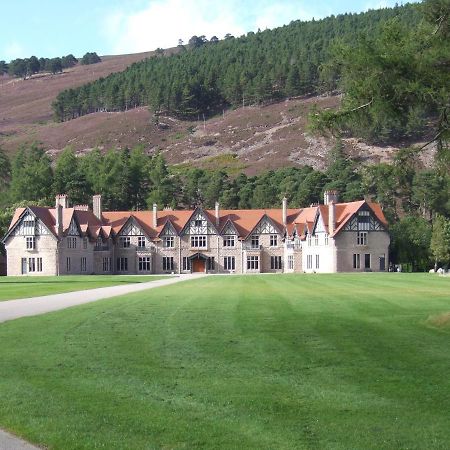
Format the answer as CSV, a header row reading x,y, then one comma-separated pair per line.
x,y
250,138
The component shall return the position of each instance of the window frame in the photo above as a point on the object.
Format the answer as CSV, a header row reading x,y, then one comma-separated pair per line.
x,y
252,262
229,263
168,241
273,240
229,241
199,239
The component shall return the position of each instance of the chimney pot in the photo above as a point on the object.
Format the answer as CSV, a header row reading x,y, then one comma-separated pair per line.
x,y
97,206
217,207
284,211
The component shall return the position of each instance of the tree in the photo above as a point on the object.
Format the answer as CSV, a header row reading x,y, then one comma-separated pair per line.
x,y
33,65
440,240
90,58
54,65
5,176
3,67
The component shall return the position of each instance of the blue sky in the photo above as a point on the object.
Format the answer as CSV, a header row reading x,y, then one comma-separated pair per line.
x,y
58,27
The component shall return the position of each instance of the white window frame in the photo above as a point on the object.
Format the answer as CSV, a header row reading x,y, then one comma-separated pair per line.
x,y
125,242
276,263
199,241
68,264
85,242
317,261
186,263
122,264
30,242
107,264
38,264
291,262
252,262
361,238
141,242
144,264
167,263
71,242
326,238
229,241
273,240
309,263
356,261
168,241
229,263
254,241
316,239
31,265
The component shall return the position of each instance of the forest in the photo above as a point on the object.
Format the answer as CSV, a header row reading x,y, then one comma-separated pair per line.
x,y
204,76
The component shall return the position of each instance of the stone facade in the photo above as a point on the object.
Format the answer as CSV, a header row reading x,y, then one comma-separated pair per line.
x,y
335,237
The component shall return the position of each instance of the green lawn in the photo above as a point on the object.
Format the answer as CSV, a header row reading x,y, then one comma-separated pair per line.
x,y
23,287
241,362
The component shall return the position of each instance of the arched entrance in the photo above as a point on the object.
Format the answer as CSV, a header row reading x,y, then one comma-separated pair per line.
x,y
198,262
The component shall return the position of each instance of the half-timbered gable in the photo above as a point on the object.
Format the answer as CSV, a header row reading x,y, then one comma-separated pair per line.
x,y
265,226
229,229
29,225
74,229
168,230
199,223
131,228
364,220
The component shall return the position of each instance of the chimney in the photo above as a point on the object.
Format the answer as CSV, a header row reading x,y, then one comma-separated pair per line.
x,y
284,211
331,217
97,206
59,219
155,215
330,196
63,200
217,213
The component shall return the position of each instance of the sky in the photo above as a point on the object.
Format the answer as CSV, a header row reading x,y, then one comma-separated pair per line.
x,y
49,28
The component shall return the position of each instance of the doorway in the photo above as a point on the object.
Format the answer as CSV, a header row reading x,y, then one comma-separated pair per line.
x,y
382,263
198,265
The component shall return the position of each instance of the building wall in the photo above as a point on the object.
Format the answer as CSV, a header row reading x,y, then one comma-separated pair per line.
x,y
46,248
346,246
326,253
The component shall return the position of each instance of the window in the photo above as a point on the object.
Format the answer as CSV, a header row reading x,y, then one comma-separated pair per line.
x,y
198,241
141,241
367,261
125,242
273,240
24,266
83,264
106,264
275,262
316,239
68,265
167,263
39,264
31,243
309,240
309,261
228,241
252,262
361,238
326,238
85,242
186,263
229,263
198,223
291,262
144,264
168,241
31,265
122,264
211,263
356,261
317,261
254,243
71,242
363,220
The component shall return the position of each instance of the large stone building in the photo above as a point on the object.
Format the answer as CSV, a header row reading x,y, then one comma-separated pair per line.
x,y
333,237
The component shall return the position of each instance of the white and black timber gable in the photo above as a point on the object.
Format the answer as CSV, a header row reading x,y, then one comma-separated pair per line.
x,y
364,220
131,228
229,229
28,225
168,229
199,223
266,226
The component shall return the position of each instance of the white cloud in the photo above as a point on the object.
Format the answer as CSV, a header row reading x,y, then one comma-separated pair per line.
x,y
13,50
162,22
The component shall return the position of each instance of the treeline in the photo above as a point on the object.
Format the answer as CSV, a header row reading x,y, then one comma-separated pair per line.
x,y
415,201
210,75
27,67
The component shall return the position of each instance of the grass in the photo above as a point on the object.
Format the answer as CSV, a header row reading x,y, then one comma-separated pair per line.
x,y
242,362
23,287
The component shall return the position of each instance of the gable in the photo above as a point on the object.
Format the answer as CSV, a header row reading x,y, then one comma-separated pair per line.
x,y
319,226
364,220
29,225
199,224
265,226
229,229
131,228
168,230
73,229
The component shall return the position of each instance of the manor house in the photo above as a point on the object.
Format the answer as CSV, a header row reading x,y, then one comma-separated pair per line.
x,y
333,237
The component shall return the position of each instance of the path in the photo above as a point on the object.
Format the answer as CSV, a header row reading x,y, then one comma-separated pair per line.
x,y
14,309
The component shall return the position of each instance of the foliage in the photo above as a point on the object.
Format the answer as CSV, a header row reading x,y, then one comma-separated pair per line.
x,y
440,240
90,58
255,68
396,83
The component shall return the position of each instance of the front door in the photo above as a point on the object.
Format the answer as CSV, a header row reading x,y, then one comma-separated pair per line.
x,y
198,265
24,266
382,263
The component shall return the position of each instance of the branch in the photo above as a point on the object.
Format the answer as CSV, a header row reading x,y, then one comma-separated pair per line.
x,y
434,139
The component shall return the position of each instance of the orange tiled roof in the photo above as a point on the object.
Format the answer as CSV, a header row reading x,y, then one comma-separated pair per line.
x,y
244,220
